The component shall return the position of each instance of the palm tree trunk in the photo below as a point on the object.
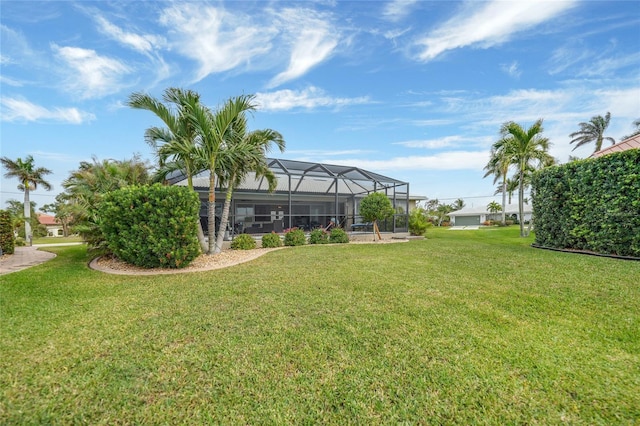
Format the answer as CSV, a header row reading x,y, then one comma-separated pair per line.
x,y
521,201
27,215
201,239
504,197
224,220
211,212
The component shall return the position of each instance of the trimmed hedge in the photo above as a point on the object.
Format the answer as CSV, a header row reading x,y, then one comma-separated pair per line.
x,y
338,236
151,226
591,205
6,233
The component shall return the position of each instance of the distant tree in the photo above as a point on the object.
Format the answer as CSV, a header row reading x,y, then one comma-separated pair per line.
x,y
62,210
30,177
512,187
374,207
527,149
592,131
16,212
499,163
458,204
635,132
494,208
442,213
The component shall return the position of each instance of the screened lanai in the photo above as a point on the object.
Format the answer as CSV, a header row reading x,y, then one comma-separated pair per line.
x,y
308,195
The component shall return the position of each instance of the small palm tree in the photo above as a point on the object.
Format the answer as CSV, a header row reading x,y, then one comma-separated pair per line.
x,y
526,149
458,204
592,131
214,128
30,177
498,166
494,208
244,152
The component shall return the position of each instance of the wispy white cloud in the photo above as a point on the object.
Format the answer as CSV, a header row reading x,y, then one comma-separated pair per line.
x,y
486,24
607,66
145,43
443,142
567,56
396,10
309,98
313,40
89,74
450,160
512,69
17,109
217,40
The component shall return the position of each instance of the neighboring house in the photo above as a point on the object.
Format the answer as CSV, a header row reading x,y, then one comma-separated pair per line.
x,y
474,216
307,195
630,143
54,228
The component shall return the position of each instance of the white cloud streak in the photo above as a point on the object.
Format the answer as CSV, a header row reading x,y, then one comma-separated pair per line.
x,y
218,41
15,109
486,24
309,98
146,43
313,41
450,160
396,10
89,74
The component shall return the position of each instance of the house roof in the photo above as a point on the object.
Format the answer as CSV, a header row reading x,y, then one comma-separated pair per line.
x,y
477,210
310,178
630,143
46,219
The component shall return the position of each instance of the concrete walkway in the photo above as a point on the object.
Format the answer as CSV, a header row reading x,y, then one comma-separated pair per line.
x,y
26,257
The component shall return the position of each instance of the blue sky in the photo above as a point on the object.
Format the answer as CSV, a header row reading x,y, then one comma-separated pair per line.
x,y
415,90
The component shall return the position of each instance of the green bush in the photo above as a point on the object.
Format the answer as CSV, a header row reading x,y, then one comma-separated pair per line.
x,y
20,242
295,237
6,233
591,204
319,236
243,242
418,222
338,236
151,226
271,240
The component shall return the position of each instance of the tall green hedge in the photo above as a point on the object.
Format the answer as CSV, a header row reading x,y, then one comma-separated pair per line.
x,y
6,233
151,226
592,204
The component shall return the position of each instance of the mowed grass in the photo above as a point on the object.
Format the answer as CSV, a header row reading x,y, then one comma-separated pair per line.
x,y
466,327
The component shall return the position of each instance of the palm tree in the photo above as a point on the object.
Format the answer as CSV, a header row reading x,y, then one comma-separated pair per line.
x,y
526,149
86,186
498,166
458,204
175,145
244,153
214,128
30,177
494,208
511,187
592,131
636,131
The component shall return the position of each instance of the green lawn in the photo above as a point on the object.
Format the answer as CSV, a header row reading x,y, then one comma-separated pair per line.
x,y
57,240
466,327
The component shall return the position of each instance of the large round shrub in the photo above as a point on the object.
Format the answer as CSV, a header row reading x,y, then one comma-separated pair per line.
x,y
338,236
151,226
243,242
295,237
318,236
271,240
